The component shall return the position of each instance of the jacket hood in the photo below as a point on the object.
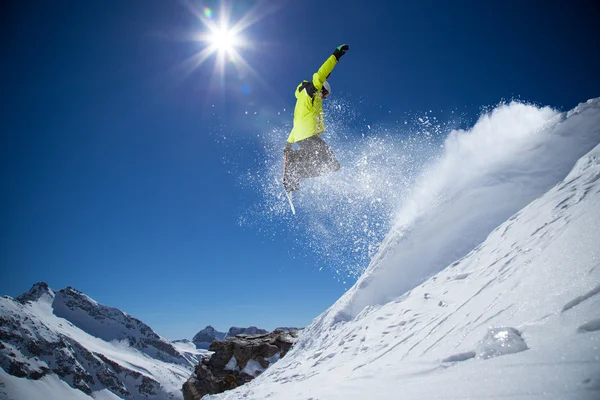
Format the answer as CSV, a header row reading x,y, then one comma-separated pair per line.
x,y
298,91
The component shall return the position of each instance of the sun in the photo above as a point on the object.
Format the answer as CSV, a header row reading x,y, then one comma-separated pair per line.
x,y
225,40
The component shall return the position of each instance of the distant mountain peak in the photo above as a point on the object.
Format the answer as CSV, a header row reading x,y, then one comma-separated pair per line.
x,y
35,293
251,330
206,336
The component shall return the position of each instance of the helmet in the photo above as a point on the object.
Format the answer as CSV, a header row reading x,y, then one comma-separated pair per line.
x,y
326,87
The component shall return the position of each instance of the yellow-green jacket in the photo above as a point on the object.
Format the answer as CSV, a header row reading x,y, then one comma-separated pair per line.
x,y
308,113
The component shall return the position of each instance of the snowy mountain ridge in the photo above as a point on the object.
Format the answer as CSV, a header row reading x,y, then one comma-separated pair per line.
x,y
447,309
69,342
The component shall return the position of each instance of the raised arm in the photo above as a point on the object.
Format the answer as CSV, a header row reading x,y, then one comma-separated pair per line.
x,y
322,74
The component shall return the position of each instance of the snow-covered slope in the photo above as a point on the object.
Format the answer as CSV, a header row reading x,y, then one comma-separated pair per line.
x,y
189,350
447,309
65,345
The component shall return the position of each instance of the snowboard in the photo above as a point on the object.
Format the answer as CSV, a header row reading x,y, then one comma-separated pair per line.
x,y
289,197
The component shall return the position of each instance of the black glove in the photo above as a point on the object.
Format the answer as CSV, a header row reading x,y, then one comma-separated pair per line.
x,y
340,51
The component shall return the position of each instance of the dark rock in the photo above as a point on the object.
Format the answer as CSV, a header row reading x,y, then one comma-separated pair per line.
x,y
237,360
18,369
201,382
148,386
110,380
83,382
37,349
35,375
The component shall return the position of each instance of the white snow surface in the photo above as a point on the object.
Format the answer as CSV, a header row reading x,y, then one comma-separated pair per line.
x,y
232,365
48,388
253,368
488,285
189,350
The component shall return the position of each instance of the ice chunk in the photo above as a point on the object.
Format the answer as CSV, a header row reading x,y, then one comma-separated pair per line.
x,y
499,342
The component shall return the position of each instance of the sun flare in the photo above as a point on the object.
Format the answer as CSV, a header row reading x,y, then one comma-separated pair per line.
x,y
224,39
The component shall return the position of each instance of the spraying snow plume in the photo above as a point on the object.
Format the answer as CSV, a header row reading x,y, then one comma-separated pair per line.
x,y
343,217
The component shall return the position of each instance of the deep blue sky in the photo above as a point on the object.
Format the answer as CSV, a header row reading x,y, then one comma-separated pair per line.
x,y
111,178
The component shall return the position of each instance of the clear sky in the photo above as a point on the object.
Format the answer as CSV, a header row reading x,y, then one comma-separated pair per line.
x,y
121,165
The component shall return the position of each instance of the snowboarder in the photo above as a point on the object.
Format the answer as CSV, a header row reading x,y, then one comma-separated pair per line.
x,y
314,158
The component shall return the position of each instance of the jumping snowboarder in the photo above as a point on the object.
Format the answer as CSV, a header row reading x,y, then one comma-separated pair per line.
x,y
314,158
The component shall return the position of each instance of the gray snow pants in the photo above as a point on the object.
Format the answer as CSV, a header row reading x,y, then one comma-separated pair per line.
x,y
314,158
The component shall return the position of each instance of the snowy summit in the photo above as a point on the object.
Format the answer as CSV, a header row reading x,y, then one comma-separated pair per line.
x,y
64,345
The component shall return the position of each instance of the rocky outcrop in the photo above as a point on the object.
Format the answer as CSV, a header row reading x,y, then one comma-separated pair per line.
x,y
237,360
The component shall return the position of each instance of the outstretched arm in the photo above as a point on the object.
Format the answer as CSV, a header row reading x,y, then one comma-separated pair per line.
x,y
323,73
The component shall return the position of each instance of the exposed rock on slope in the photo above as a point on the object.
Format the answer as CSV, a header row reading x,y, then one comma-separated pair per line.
x,y
237,360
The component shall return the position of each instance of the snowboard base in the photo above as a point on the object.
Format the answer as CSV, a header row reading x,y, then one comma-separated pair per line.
x,y
289,197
